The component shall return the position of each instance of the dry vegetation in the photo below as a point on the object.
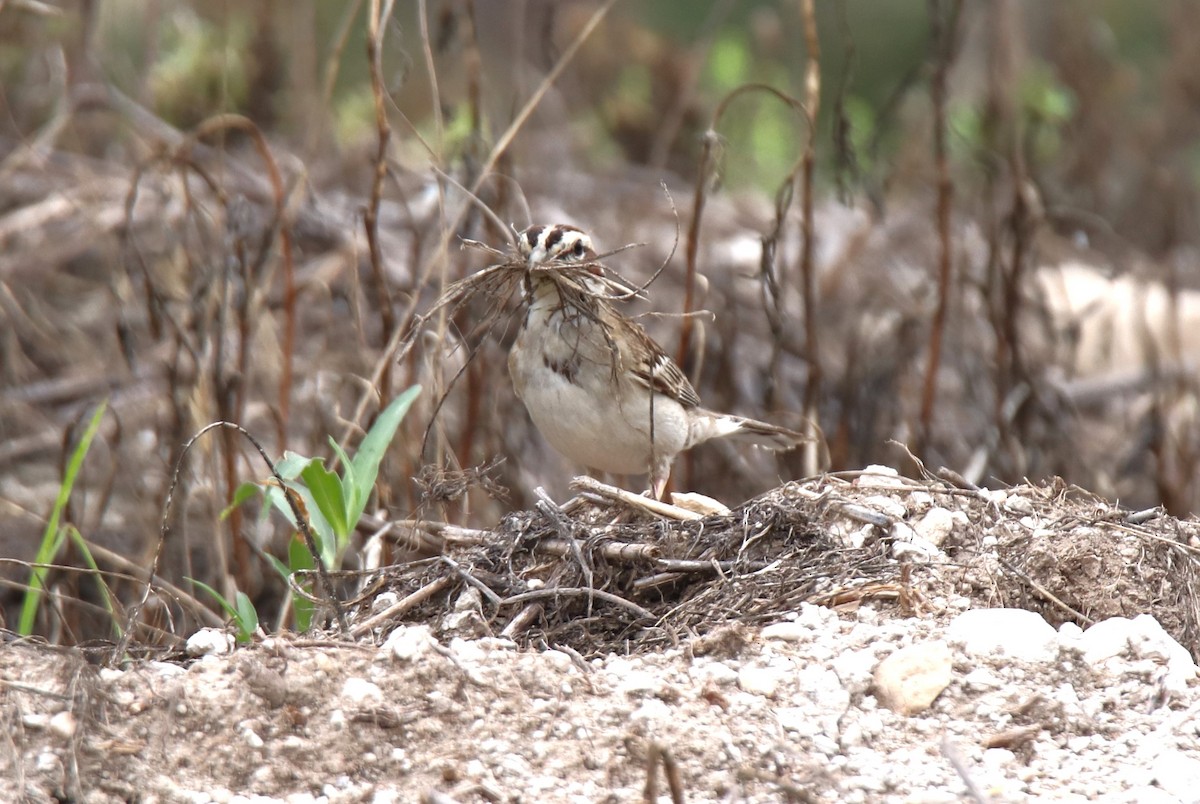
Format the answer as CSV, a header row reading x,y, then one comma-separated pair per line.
x,y
1009,287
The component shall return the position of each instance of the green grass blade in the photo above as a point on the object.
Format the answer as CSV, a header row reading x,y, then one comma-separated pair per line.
x,y
110,601
52,538
220,598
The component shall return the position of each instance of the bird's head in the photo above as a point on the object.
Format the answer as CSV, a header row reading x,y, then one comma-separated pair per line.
x,y
538,245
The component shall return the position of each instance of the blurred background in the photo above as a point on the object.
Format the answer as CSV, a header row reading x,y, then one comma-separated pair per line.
x,y
219,211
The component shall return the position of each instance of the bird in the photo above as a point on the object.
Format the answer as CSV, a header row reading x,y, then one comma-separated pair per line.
x,y
597,387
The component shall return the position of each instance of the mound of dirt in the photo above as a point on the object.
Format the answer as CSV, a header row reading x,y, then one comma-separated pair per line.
x,y
672,680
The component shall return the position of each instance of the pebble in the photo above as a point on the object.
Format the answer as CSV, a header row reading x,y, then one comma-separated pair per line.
x,y
1143,638
908,681
361,692
762,681
63,724
935,525
409,642
789,631
210,642
1015,633
1178,774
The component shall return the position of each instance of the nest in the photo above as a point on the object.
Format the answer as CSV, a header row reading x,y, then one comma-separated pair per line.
x,y
598,576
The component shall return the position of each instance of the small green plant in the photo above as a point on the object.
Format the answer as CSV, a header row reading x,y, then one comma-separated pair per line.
x,y
331,503
241,611
56,534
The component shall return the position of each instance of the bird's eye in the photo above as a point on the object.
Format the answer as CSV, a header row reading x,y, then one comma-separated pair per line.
x,y
579,248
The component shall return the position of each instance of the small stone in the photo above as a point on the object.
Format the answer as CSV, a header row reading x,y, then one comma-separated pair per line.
x,y
1144,638
47,762
409,642
384,600
1017,633
469,600
762,681
886,505
787,632
251,737
855,669
879,475
908,681
63,724
935,525
209,642
1018,505
359,691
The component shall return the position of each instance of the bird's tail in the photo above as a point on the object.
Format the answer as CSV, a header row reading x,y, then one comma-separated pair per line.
x,y
751,431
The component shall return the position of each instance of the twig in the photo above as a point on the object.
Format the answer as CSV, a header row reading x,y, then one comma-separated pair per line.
x,y
371,215
565,529
635,501
942,43
812,354
523,620
613,551
575,591
951,753
1046,593
656,755
399,607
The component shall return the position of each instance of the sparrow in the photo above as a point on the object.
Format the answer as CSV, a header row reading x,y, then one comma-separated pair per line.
x,y
597,387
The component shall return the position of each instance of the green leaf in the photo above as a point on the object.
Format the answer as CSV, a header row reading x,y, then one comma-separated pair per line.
x,y
350,486
53,536
370,452
291,464
243,493
300,559
322,530
326,492
247,617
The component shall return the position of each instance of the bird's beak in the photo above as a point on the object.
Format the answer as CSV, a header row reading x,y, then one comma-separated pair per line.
x,y
536,257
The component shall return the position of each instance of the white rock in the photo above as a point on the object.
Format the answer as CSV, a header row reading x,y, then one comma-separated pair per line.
x,y
48,762
816,617
1016,633
360,691
384,600
636,682
981,679
762,681
1144,638
653,710
467,650
886,505
879,475
789,631
409,642
1178,774
909,546
910,679
855,669
1018,505
210,642
251,737
63,724
935,525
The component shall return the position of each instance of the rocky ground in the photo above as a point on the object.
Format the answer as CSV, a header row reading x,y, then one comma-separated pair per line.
x,y
858,701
